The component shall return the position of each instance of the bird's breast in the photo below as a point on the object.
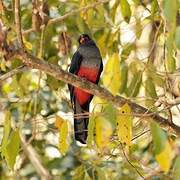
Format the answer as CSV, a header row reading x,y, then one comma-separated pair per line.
x,y
91,74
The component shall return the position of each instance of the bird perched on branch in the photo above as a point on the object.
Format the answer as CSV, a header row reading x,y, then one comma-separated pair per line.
x,y
86,63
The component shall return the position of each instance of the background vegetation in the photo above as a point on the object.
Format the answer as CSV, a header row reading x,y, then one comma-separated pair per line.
x,y
139,41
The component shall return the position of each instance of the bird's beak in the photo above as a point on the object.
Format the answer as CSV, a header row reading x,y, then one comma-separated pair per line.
x,y
82,40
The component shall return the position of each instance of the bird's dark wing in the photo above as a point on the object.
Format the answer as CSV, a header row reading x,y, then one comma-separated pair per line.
x,y
75,63
100,71
74,68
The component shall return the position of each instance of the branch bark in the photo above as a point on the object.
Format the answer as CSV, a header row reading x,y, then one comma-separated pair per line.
x,y
18,22
36,63
12,73
35,160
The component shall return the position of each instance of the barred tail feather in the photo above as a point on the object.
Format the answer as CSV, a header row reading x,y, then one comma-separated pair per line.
x,y
81,123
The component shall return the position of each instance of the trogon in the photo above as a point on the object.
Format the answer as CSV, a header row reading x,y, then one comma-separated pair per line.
x,y
86,63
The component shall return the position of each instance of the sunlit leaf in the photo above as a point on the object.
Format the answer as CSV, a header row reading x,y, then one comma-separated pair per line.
x,y
103,133
113,9
12,148
91,129
111,76
110,114
164,158
162,148
3,65
63,138
126,51
138,28
124,76
135,84
154,7
59,121
150,88
79,173
126,10
124,125
152,73
27,44
102,44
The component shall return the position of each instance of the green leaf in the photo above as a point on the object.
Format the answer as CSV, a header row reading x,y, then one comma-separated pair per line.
x,y
79,173
53,83
113,10
151,73
177,37
12,148
134,87
170,60
124,76
176,169
159,137
154,7
95,18
150,88
138,28
103,133
126,51
102,41
6,132
137,2
125,10
91,127
110,114
170,10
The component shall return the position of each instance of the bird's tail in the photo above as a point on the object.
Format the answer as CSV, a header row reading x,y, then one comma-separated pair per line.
x,y
81,122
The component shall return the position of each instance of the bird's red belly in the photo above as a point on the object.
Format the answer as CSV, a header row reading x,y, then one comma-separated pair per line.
x,y
90,74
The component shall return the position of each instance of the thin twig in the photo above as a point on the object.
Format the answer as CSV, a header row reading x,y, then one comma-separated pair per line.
x,y
13,72
139,135
18,22
35,160
130,162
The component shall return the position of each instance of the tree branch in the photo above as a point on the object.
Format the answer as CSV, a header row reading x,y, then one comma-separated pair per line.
x,y
18,22
12,73
35,160
58,73
71,13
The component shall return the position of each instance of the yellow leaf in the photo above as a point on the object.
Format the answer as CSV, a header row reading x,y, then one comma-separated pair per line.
x,y
63,138
102,44
27,44
124,125
164,158
103,133
82,13
59,121
111,76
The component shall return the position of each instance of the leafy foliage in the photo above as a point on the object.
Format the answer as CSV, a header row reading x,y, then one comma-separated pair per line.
x,y
139,42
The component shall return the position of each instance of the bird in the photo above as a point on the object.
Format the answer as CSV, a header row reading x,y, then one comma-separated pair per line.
x,y
86,63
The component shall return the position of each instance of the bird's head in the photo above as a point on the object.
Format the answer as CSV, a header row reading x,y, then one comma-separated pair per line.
x,y
83,39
